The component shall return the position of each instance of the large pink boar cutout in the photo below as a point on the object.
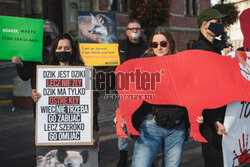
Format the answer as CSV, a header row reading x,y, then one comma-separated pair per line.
x,y
195,79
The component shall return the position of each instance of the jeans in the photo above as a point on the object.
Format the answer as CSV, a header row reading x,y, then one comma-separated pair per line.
x,y
151,138
123,142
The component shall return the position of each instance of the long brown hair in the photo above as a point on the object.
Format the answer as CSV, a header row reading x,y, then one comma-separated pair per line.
x,y
163,31
75,57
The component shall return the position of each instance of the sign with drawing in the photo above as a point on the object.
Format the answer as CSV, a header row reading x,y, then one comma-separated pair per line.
x,y
64,113
236,150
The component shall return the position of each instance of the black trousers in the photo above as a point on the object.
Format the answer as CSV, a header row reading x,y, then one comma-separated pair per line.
x,y
213,162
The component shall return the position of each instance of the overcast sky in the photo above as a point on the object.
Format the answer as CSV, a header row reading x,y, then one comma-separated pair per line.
x,y
213,2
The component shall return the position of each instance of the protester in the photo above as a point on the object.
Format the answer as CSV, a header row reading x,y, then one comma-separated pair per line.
x,y
133,47
51,31
212,127
237,124
190,44
65,53
26,69
161,125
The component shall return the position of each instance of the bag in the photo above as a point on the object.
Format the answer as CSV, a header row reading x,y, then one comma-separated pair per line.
x,y
169,116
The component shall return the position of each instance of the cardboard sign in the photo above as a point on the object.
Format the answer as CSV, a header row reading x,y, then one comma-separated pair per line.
x,y
98,28
236,150
79,156
21,37
64,113
195,79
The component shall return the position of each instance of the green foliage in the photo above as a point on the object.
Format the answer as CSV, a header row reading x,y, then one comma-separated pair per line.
x,y
230,10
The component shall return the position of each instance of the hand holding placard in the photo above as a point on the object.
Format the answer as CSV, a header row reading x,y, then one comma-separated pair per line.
x,y
17,60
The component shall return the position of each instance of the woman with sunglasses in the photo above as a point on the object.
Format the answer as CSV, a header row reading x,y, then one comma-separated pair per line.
x,y
161,125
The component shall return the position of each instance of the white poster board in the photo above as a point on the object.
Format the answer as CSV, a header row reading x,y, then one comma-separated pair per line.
x,y
64,113
236,145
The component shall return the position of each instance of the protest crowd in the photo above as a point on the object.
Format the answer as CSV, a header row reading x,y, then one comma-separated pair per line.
x,y
159,126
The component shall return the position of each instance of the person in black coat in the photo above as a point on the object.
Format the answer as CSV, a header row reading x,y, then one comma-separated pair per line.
x,y
212,127
27,69
64,52
132,47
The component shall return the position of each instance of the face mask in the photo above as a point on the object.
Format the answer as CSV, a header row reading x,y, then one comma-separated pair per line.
x,y
134,35
63,56
49,49
216,28
47,40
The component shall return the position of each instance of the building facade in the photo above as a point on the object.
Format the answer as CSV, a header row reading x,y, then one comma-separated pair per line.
x,y
64,13
234,31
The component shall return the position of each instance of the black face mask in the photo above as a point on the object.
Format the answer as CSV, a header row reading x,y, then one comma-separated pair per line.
x,y
47,39
216,28
63,56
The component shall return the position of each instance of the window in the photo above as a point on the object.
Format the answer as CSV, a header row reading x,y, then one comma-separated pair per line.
x,y
191,7
119,5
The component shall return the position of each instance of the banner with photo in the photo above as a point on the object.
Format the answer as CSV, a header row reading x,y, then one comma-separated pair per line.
x,y
70,156
64,112
21,37
98,41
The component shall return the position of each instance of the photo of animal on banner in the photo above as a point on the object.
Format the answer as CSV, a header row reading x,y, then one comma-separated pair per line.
x,y
97,27
66,157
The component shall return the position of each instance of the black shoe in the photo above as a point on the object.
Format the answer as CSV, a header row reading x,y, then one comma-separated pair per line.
x,y
123,159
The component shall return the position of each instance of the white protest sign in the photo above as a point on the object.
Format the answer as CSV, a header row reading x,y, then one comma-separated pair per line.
x,y
64,113
236,150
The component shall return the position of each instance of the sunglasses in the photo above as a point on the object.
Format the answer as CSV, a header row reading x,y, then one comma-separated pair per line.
x,y
162,44
134,29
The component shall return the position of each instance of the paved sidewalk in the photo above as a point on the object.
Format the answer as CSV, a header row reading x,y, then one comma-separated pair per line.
x,y
17,140
17,134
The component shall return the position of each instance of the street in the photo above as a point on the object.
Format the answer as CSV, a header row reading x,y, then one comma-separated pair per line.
x,y
17,144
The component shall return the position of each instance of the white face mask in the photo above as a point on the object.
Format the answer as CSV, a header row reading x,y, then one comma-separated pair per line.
x,y
134,35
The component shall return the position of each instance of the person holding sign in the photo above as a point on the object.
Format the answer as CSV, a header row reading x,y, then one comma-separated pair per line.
x,y
65,53
27,70
160,125
133,47
212,129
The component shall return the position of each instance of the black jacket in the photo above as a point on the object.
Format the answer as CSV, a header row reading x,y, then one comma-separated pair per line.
x,y
126,49
214,146
203,44
28,71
